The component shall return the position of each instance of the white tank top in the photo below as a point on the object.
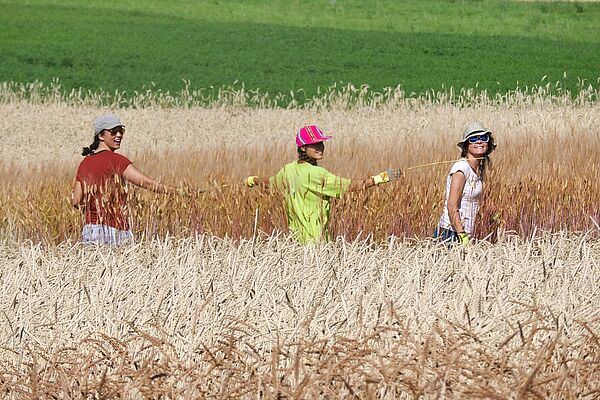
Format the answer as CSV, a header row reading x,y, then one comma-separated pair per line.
x,y
469,203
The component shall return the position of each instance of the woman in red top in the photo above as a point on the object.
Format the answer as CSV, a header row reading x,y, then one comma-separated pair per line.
x,y
100,184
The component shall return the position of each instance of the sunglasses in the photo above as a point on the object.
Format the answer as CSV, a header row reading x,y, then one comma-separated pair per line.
x,y
480,138
115,130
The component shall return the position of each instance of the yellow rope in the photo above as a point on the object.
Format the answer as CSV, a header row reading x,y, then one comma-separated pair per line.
x,y
437,163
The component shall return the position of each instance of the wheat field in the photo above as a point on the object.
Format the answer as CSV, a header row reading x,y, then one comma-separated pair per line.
x,y
208,317
214,300
544,176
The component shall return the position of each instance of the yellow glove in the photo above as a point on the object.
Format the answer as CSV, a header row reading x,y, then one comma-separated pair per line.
x,y
381,178
495,217
389,175
463,238
249,181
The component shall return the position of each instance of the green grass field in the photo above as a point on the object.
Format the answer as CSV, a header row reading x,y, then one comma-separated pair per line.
x,y
283,46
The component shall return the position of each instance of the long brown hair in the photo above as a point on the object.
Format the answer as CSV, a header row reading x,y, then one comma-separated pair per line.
x,y
486,158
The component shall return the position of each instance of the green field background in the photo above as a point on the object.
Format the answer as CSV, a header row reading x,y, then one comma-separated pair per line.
x,y
280,46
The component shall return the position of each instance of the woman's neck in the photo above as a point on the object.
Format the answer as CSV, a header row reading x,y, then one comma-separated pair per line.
x,y
103,147
474,162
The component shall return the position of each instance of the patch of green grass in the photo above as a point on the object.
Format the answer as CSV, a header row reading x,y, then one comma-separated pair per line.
x,y
283,46
561,20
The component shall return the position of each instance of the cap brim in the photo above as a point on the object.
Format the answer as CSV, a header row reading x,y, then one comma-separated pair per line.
x,y
321,139
108,126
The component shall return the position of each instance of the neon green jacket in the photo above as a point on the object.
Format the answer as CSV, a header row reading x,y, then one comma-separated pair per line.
x,y
308,190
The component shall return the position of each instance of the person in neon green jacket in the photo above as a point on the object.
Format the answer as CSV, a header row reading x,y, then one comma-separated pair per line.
x,y
308,188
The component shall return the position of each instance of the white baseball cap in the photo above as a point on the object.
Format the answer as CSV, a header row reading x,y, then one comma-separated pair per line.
x,y
106,121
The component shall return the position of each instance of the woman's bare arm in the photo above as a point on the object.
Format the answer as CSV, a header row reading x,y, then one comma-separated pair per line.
x,y
457,185
138,178
77,194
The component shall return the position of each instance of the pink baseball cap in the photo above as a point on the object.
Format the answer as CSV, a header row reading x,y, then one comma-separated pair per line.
x,y
310,134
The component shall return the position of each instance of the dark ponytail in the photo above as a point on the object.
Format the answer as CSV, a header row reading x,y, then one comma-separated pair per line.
x,y
304,157
90,150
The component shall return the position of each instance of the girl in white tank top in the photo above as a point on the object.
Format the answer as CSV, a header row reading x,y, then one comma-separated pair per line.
x,y
469,201
464,185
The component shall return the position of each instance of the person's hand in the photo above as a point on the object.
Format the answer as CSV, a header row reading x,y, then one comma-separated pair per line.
x,y
463,239
394,174
386,176
182,191
193,192
187,191
495,217
380,178
250,181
